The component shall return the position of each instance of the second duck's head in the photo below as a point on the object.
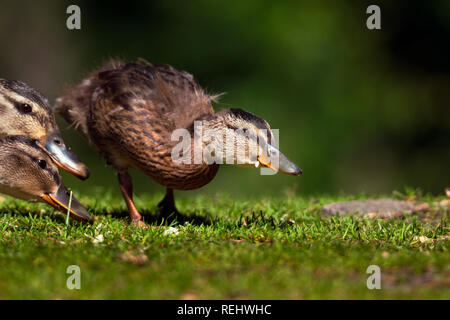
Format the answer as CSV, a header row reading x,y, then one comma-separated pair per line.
x,y
238,137
28,173
26,112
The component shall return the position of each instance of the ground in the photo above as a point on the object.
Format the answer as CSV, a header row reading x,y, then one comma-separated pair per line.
x,y
280,248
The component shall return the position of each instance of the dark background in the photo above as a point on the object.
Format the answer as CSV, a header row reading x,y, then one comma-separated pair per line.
x,y
358,110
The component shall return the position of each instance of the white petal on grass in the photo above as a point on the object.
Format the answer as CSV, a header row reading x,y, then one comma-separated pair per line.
x,y
171,230
98,239
422,239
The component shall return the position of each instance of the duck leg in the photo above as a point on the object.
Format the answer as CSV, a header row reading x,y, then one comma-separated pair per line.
x,y
167,205
126,186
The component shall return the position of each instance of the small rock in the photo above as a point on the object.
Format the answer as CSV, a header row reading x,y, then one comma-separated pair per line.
x,y
382,208
138,258
421,207
189,296
444,203
372,215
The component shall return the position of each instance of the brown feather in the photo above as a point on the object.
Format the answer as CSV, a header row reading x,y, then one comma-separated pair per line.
x,y
129,111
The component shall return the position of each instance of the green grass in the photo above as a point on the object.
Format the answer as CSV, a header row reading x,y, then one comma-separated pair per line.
x,y
279,248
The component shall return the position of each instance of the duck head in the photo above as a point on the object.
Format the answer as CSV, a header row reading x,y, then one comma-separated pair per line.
x,y
252,145
28,173
26,112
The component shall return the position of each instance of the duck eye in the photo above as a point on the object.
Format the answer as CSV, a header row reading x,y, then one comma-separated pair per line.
x,y
25,108
42,164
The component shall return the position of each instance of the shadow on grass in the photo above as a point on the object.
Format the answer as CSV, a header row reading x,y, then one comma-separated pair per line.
x,y
57,217
154,217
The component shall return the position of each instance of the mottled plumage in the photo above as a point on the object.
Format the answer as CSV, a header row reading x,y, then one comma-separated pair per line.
x,y
128,112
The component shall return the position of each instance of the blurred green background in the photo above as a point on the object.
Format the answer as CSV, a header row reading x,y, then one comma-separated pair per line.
x,y
358,110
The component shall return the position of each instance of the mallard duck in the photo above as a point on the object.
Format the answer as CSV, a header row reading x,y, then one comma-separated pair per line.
x,y
26,112
129,112
28,173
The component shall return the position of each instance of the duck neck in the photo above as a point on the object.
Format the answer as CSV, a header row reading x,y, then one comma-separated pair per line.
x,y
201,144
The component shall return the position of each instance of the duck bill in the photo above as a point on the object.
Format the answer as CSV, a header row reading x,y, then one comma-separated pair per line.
x,y
63,157
61,201
279,162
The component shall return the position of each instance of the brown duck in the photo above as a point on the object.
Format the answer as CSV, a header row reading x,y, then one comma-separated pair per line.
x,y
129,112
28,173
26,112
